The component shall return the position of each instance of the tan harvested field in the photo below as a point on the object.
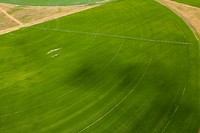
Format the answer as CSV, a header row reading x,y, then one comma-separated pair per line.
x,y
189,13
5,22
14,17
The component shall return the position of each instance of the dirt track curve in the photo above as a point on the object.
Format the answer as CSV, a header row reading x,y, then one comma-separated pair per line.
x,y
189,13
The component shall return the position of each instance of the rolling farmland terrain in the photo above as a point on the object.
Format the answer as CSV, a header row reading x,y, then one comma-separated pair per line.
x,y
128,66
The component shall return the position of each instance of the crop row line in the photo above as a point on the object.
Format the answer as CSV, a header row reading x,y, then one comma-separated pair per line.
x,y
114,36
122,100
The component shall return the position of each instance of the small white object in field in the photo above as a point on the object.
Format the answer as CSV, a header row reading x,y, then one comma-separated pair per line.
x,y
54,55
53,50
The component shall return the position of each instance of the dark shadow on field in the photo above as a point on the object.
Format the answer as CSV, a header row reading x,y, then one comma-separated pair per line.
x,y
167,114
165,93
118,73
130,74
94,72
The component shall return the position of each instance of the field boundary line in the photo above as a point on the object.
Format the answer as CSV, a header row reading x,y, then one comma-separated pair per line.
x,y
76,5
114,36
42,20
11,17
181,16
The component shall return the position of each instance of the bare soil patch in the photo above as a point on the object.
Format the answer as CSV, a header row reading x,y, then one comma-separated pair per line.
x,y
189,13
15,17
5,22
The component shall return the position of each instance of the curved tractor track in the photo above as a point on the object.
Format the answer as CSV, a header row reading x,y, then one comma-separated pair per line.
x,y
116,68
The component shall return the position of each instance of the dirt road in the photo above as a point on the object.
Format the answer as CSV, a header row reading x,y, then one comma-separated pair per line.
x,y
189,13
69,10
11,17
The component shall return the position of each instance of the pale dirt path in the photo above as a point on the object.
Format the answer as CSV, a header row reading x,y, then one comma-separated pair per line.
x,y
11,17
55,16
189,13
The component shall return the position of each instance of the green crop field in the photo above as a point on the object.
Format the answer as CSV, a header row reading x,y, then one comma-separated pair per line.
x,y
190,2
50,2
129,66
